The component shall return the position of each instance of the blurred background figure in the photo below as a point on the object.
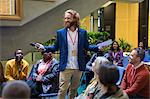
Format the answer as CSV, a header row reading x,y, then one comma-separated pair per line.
x,y
43,77
115,54
147,56
141,45
16,90
2,79
17,68
1,74
146,51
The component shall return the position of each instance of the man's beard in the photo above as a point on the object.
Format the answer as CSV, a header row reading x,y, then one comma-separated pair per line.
x,y
69,24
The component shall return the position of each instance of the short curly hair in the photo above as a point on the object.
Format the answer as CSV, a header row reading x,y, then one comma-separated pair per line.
x,y
140,53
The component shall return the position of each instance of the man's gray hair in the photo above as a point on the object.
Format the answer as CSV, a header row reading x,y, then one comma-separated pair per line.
x,y
100,60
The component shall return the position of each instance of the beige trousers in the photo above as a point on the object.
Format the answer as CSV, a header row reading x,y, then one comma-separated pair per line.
x,y
70,78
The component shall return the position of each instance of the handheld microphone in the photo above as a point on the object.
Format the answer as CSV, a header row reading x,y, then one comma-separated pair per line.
x,y
38,46
33,44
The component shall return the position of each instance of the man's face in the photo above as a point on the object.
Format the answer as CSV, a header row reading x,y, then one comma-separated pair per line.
x,y
47,56
19,55
68,20
141,45
133,57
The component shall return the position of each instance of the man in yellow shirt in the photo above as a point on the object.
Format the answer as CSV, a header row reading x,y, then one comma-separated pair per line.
x,y
16,69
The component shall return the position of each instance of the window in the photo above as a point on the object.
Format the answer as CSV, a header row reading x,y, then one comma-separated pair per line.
x,y
11,9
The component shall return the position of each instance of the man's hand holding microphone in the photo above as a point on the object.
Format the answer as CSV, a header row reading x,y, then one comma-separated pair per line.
x,y
38,46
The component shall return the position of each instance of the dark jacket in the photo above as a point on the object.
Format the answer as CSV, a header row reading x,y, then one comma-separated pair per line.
x,y
49,79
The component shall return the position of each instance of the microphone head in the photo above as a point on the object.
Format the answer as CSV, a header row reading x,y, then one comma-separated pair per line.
x,y
33,44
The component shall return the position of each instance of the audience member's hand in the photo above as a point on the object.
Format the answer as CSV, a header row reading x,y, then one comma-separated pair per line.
x,y
38,78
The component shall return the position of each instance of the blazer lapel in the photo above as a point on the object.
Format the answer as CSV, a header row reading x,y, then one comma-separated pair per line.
x,y
79,38
65,36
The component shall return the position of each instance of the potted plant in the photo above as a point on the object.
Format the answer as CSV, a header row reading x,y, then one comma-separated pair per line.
x,y
124,45
94,37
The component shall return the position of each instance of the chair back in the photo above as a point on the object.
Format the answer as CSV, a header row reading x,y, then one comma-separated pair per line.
x,y
121,74
125,61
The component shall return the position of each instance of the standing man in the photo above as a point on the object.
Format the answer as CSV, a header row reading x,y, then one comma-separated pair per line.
x,y
136,79
72,43
16,69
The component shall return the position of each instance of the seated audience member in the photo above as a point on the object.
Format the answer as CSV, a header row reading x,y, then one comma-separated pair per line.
x,y
90,90
16,69
44,75
94,56
141,45
16,90
108,75
2,79
147,58
147,55
89,64
89,72
1,74
115,55
136,78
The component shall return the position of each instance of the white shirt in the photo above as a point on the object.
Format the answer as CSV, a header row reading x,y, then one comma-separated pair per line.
x,y
72,60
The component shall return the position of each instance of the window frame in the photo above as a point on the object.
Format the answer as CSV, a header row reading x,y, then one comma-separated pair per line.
x,y
18,12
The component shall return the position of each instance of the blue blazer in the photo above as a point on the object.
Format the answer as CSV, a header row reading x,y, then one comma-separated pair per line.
x,y
62,45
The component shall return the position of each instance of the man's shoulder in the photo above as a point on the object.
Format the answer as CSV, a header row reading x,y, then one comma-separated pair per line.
x,y
82,30
10,61
62,29
143,70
